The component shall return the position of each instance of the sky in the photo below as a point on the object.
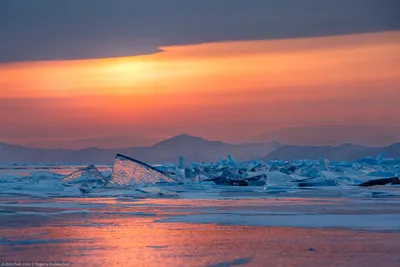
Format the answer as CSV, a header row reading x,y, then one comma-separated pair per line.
x,y
121,73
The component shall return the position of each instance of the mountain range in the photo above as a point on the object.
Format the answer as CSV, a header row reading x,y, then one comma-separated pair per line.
x,y
348,152
194,149
333,135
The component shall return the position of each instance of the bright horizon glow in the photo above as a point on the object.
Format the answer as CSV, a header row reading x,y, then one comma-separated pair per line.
x,y
215,90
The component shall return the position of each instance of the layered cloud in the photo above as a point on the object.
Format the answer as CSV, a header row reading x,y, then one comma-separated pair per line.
x,y
71,29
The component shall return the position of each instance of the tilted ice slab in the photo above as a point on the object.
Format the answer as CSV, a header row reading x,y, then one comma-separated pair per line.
x,y
89,174
128,171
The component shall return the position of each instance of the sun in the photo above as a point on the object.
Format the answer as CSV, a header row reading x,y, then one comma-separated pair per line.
x,y
125,72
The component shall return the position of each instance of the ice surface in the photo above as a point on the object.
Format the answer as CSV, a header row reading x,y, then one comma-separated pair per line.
x,y
131,172
37,184
157,191
372,222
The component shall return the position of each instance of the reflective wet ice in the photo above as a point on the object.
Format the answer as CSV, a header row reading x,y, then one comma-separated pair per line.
x,y
225,213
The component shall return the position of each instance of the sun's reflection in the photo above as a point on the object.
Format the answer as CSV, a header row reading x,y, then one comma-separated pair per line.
x,y
139,241
129,233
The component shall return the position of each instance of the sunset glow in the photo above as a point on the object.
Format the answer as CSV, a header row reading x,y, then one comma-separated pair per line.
x,y
279,83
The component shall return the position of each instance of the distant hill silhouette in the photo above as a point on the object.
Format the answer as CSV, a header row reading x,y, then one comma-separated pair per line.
x,y
333,135
344,152
193,148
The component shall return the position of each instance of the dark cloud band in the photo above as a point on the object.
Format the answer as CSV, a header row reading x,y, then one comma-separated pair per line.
x,y
72,29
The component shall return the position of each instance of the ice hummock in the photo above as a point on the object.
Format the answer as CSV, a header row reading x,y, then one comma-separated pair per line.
x,y
131,172
270,177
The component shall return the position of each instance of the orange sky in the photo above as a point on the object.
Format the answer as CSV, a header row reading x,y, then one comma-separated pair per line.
x,y
215,90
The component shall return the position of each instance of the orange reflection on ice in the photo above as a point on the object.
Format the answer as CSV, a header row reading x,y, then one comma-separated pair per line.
x,y
138,241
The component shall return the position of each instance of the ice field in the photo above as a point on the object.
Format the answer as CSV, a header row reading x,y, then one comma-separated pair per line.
x,y
227,213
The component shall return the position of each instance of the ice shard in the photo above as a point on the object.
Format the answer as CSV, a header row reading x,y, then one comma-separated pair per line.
x,y
229,173
189,173
258,180
381,157
288,169
324,164
232,162
128,171
89,174
182,162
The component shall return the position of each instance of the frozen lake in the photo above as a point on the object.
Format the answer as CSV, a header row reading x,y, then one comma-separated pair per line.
x,y
201,232
197,223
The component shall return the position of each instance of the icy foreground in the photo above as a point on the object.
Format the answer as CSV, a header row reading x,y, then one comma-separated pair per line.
x,y
365,177
123,231
227,213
